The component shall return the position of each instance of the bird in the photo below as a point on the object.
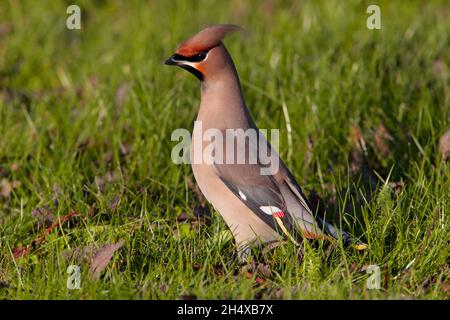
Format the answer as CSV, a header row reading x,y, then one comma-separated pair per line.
x,y
258,208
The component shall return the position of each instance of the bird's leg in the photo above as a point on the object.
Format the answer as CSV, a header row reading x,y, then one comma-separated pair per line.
x,y
244,253
272,245
300,254
330,249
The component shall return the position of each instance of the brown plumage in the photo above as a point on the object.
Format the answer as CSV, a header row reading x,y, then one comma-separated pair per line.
x,y
256,207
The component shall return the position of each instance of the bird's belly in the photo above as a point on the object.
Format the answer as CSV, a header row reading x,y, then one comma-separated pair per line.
x,y
246,226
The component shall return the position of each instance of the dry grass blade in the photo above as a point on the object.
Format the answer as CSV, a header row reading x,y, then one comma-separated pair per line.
x,y
24,251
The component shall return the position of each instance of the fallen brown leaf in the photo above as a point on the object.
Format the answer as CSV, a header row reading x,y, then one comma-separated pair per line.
x,y
164,287
102,258
259,280
124,149
108,178
440,69
218,270
358,157
196,266
93,81
5,28
444,145
84,145
182,217
5,188
397,186
279,293
44,216
120,96
202,212
248,270
263,270
21,251
114,203
356,138
381,141
248,267
353,267
358,144
445,285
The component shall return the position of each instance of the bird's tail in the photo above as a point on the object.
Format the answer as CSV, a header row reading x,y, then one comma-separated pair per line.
x,y
336,233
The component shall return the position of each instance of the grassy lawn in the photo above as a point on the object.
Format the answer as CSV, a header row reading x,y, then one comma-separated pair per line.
x,y
86,118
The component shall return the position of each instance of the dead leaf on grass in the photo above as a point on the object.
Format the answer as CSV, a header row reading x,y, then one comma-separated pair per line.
x,y
263,270
381,141
44,216
102,258
6,187
444,145
121,93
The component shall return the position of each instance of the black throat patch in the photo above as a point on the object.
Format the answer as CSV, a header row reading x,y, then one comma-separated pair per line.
x,y
194,71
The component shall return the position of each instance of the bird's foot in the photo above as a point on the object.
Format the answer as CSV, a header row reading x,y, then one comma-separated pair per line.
x,y
244,254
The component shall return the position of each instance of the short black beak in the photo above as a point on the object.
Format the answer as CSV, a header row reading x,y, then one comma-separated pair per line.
x,y
171,61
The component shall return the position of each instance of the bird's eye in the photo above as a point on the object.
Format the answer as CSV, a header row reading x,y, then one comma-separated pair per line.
x,y
200,56
194,58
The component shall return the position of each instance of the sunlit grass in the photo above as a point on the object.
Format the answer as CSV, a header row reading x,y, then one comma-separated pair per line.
x,y
86,118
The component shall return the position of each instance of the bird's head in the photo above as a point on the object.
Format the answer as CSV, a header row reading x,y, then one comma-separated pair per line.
x,y
203,54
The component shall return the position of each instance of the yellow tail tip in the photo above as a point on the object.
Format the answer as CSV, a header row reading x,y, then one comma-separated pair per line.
x,y
360,246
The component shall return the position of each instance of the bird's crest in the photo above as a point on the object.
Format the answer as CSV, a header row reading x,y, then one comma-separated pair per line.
x,y
206,39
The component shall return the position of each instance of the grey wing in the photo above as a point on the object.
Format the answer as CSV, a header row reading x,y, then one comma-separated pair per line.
x,y
269,196
260,192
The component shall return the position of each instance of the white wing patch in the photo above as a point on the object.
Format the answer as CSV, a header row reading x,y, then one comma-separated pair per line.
x,y
270,210
243,196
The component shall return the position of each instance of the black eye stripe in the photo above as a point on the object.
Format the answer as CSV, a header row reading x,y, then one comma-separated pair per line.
x,y
195,58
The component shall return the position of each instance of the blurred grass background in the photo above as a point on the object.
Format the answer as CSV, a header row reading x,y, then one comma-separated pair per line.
x,y
86,117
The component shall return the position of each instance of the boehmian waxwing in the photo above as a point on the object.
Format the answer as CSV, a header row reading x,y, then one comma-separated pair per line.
x,y
257,207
